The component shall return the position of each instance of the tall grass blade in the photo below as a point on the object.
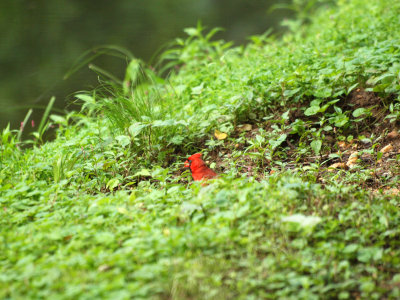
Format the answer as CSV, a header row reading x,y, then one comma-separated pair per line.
x,y
91,54
27,116
45,116
105,73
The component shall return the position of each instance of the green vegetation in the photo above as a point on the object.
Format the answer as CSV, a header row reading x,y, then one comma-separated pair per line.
x,y
307,204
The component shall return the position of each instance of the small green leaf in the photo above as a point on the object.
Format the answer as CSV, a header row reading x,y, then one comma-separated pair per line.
x,y
123,140
136,128
191,31
341,120
112,184
143,172
276,143
312,110
198,89
316,146
177,140
302,220
359,112
351,248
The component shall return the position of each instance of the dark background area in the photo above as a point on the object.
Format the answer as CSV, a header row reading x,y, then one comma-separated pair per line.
x,y
41,40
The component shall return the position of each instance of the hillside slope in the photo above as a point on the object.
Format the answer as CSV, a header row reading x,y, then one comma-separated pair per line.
x,y
304,131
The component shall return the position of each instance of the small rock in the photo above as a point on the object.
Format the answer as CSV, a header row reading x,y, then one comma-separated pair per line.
x,y
387,149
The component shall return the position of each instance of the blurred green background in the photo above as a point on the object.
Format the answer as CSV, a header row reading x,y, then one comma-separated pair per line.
x,y
41,40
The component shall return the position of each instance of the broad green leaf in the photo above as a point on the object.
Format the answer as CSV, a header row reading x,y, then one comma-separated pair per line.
x,y
302,221
316,146
359,112
143,172
112,184
191,31
341,120
123,140
198,89
136,129
351,248
312,110
276,143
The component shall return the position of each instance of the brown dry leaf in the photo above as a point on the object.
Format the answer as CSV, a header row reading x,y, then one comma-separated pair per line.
x,y
220,135
338,166
387,149
67,238
351,162
394,192
343,145
376,192
392,135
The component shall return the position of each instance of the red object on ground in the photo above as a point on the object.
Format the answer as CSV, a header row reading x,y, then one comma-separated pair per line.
x,y
198,168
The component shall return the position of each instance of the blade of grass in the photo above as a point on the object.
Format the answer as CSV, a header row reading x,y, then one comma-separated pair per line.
x,y
45,116
105,73
87,56
27,116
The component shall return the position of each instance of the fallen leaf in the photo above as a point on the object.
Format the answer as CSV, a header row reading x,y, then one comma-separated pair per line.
x,y
67,238
351,162
220,135
245,127
387,149
394,192
338,166
393,134
343,145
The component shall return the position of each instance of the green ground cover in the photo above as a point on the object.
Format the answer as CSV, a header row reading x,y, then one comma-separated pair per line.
x,y
307,204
